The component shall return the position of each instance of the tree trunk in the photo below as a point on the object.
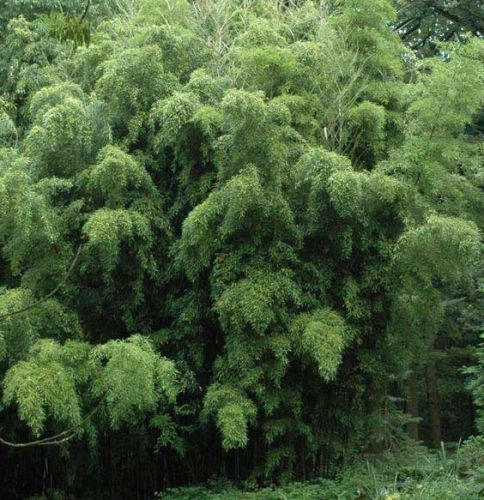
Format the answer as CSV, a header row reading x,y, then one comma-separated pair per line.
x,y
412,402
434,406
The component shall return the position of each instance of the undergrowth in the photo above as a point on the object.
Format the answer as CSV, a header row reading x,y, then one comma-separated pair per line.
x,y
412,473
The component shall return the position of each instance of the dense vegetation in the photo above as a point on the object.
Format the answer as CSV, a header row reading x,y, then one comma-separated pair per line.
x,y
240,243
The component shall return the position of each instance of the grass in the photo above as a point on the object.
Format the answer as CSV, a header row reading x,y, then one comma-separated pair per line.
x,y
412,473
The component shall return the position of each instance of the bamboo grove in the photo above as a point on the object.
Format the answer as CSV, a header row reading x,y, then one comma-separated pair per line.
x,y
238,238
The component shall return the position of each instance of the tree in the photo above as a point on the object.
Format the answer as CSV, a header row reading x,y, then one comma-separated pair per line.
x,y
425,23
222,228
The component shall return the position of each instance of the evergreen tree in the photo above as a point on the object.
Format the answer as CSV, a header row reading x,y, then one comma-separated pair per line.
x,y
233,233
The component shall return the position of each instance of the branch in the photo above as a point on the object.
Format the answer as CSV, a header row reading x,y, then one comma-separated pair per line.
x,y
412,3
40,442
448,36
84,14
421,43
404,23
413,28
50,294
476,28
446,14
58,439
451,302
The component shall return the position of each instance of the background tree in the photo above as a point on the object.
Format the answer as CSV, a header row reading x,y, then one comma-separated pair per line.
x,y
424,23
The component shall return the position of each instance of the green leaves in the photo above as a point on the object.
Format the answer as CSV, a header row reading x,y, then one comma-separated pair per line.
x,y
256,302
367,126
132,377
267,68
321,335
43,387
476,384
70,128
130,84
256,134
20,331
128,375
346,193
447,95
234,412
443,248
172,114
276,193
106,229
66,27
8,131
117,180
241,207
27,221
197,245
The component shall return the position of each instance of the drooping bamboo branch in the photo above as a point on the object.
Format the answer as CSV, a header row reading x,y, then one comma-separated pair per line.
x,y
50,294
57,439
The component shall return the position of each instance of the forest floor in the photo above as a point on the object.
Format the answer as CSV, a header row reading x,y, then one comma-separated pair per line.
x,y
412,473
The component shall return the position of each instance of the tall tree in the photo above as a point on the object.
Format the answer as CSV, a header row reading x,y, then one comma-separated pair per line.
x,y
230,233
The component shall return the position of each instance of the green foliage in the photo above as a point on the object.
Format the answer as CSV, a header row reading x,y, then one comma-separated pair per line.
x,y
27,221
21,331
321,335
229,233
43,386
233,411
66,27
117,180
425,250
130,84
367,122
132,378
128,375
24,52
254,302
106,229
410,474
70,128
476,385
8,131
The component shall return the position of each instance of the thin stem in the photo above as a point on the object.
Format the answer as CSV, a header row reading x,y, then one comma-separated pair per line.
x,y
84,14
50,294
60,438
